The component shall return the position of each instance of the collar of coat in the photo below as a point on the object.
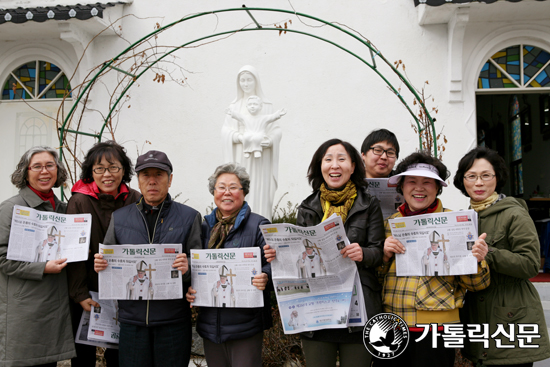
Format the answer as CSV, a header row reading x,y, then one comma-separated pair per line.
x,y
34,200
165,205
92,190
313,202
211,218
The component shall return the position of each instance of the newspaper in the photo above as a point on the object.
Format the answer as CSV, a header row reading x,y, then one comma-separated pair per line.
x,y
313,283
140,272
223,277
437,244
37,236
390,200
104,326
82,333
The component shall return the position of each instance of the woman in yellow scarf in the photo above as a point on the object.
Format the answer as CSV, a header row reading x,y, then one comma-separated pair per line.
x,y
336,174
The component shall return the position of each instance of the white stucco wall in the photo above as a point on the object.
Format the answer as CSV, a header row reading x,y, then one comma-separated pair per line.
x,y
327,93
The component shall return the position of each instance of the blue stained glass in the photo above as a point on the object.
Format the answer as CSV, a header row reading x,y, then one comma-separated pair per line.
x,y
541,77
515,76
485,83
529,48
543,57
485,67
32,73
513,62
12,95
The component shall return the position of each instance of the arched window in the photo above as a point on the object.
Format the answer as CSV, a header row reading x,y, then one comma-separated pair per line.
x,y
36,80
520,66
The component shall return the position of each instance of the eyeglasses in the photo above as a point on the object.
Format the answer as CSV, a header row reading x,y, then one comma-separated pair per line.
x,y
390,153
484,177
232,189
101,170
38,167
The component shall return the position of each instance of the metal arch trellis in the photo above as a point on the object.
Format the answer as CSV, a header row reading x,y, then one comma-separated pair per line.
x,y
135,76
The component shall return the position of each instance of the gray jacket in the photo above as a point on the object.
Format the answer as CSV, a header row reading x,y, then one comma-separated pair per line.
x,y
35,324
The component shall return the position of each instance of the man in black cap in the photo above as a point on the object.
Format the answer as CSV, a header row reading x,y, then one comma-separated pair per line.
x,y
155,332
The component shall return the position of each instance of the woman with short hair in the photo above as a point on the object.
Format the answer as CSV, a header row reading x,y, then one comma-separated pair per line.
x,y
233,336
35,323
337,176
102,189
514,256
420,178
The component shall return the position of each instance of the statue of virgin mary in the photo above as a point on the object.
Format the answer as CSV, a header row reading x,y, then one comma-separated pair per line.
x,y
263,171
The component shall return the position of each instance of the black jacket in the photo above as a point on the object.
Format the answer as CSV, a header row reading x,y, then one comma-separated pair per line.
x,y
177,223
365,226
223,324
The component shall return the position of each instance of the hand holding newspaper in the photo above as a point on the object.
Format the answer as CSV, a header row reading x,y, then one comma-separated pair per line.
x,y
37,236
140,272
436,244
313,283
223,277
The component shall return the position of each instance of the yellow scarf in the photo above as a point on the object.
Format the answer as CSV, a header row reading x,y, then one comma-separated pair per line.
x,y
482,205
338,202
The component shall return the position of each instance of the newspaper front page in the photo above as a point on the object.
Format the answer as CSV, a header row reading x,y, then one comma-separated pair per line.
x,y
313,283
37,236
436,244
140,272
223,277
104,326
390,200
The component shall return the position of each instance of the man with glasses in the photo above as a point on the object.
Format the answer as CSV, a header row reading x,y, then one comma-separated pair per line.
x,y
379,151
155,332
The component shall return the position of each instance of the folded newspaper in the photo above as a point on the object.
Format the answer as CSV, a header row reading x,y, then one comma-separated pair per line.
x,y
436,244
223,277
140,272
98,330
316,287
104,326
37,236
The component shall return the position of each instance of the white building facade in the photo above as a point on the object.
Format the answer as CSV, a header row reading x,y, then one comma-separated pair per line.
x,y
179,108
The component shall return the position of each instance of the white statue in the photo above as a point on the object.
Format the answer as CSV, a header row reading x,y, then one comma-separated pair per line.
x,y
264,169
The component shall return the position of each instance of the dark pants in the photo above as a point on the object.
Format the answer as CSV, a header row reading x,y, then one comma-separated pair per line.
x,y
86,354
235,353
323,354
159,346
421,354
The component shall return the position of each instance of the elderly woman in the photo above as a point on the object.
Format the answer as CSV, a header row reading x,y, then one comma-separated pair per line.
x,y
35,324
514,257
102,189
424,299
336,174
233,336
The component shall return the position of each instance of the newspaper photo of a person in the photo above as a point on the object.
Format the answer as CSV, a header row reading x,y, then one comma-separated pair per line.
x,y
435,262
49,249
310,264
223,294
296,321
140,287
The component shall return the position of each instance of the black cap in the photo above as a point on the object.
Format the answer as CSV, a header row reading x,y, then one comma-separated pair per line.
x,y
154,158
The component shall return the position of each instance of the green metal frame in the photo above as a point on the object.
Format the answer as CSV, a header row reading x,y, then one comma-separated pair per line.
x,y
135,76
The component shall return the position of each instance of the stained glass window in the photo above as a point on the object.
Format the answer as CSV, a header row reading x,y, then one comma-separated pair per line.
x,y
24,83
519,66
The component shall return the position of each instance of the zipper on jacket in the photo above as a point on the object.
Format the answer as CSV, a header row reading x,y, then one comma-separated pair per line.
x,y
151,239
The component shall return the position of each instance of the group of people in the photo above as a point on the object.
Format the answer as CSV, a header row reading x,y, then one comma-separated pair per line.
x,y
39,299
